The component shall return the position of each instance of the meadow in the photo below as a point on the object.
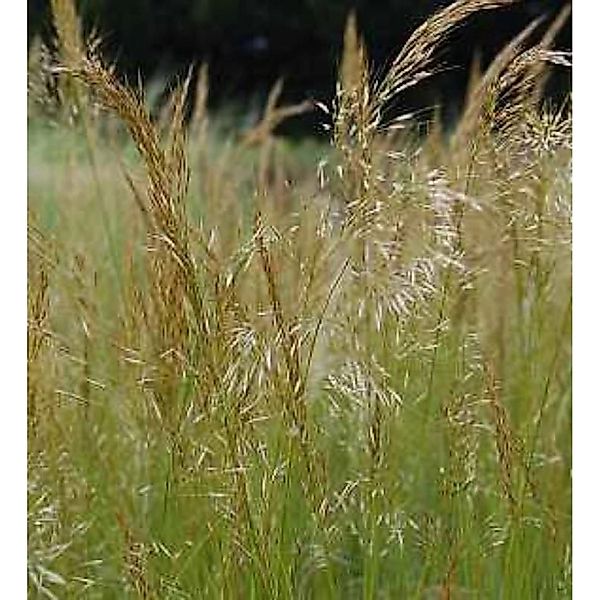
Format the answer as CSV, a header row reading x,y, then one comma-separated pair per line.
x,y
263,368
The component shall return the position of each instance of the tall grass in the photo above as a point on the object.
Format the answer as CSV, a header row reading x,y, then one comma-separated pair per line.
x,y
253,379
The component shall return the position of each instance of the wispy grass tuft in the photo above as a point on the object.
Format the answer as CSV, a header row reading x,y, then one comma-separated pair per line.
x,y
265,378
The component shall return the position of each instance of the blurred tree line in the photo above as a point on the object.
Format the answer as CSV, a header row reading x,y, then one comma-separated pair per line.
x,y
250,43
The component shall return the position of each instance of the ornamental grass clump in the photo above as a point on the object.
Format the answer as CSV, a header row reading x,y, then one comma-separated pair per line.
x,y
350,382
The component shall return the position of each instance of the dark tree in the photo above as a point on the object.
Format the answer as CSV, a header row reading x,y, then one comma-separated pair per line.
x,y
250,43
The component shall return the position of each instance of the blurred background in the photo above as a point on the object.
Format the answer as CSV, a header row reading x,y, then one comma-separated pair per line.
x,y
249,44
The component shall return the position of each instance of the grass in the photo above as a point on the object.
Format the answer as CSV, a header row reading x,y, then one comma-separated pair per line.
x,y
258,370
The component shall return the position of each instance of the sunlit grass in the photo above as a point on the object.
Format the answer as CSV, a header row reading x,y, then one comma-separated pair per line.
x,y
259,369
